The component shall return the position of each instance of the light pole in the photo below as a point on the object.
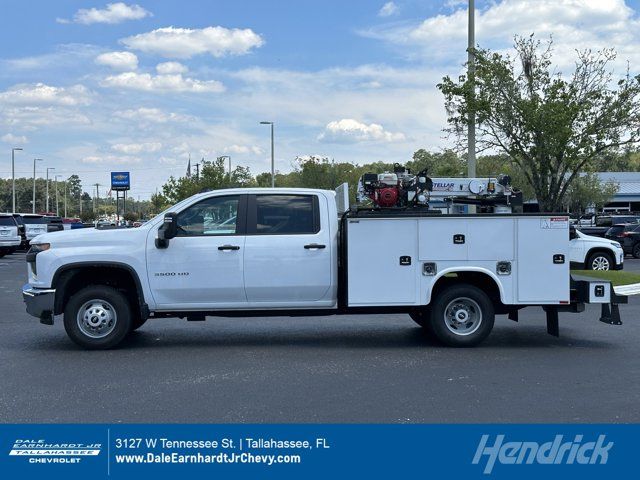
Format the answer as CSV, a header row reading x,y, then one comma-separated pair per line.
x,y
273,177
222,157
33,201
56,180
65,199
471,126
47,188
13,176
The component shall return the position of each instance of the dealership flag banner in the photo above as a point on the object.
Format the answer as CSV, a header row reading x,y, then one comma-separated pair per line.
x,y
318,451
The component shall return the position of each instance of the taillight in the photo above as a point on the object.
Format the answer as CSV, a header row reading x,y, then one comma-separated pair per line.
x,y
624,234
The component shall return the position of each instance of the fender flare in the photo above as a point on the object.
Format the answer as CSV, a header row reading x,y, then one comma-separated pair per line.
x,y
144,309
482,270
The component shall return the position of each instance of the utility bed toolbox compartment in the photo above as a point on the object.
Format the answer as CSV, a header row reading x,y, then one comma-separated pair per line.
x,y
390,258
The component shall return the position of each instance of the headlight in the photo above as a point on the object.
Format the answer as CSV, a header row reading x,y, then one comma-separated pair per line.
x,y
616,244
40,247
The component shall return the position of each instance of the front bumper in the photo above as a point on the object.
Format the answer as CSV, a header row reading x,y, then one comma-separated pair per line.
x,y
40,302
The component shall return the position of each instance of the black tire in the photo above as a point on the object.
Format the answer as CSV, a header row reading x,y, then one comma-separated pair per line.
x,y
636,250
468,302
600,261
100,304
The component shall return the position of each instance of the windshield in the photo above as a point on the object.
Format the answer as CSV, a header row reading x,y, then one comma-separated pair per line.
x,y
173,208
7,222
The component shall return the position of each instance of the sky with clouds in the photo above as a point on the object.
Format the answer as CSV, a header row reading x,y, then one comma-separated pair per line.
x,y
93,86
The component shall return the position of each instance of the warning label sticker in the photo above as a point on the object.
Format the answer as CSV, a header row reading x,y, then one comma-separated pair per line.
x,y
554,222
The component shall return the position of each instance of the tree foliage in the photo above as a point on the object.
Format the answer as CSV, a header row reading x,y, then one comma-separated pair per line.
x,y
552,127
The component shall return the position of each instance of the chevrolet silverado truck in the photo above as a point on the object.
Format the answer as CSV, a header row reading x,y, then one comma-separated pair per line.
x,y
302,252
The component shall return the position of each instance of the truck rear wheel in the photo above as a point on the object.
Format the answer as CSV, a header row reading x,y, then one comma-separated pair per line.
x,y
462,316
636,250
97,317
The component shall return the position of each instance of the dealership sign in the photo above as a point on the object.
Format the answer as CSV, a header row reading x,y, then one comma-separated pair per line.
x,y
120,181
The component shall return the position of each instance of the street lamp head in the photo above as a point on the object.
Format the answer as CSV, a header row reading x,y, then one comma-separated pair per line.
x,y
266,123
15,149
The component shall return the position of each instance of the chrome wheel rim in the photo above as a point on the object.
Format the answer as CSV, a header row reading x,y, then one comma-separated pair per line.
x,y
97,318
600,263
463,316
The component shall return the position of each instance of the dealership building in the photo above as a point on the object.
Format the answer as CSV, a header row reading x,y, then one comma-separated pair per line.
x,y
627,198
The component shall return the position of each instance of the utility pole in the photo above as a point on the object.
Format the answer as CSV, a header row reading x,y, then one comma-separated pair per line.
x,y
471,133
197,171
57,204
80,202
96,198
65,199
13,176
273,175
47,188
222,157
33,200
471,146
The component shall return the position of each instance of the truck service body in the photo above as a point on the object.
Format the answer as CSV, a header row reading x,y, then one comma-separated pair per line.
x,y
259,252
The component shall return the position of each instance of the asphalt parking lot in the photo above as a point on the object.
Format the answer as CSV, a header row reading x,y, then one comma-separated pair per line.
x,y
331,369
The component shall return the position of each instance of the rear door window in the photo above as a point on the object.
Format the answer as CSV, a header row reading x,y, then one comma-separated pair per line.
x,y
284,215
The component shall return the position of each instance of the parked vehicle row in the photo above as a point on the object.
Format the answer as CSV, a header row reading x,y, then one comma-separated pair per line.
x,y
18,229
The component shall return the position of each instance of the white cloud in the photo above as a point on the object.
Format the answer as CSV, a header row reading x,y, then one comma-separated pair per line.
x,y
388,9
243,149
151,115
113,13
31,117
134,148
574,24
110,159
118,60
162,83
14,139
349,130
168,68
172,42
42,94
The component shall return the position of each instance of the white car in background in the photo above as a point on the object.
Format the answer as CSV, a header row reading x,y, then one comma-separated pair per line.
x,y
594,253
9,237
34,225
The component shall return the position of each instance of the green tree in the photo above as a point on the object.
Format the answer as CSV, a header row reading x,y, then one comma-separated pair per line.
x,y
587,190
552,127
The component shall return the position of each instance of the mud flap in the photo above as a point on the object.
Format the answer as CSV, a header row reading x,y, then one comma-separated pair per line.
x,y
610,314
553,326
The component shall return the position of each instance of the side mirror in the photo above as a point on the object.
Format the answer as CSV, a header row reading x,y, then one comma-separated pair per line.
x,y
170,225
168,230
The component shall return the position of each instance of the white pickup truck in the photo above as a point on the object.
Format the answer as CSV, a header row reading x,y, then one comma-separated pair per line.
x,y
292,252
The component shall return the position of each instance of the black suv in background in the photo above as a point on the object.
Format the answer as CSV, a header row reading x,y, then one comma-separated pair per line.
x,y
628,235
54,224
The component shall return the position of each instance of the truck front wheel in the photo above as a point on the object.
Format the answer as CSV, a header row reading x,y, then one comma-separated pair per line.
x,y
97,317
462,316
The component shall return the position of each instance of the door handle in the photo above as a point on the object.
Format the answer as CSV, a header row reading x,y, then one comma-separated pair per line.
x,y
314,246
228,247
